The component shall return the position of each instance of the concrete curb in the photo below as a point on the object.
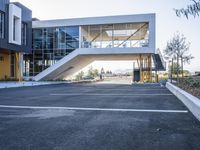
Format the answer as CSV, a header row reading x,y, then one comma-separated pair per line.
x,y
4,85
26,84
191,102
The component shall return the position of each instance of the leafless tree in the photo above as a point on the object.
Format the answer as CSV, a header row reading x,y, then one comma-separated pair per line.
x,y
191,9
178,48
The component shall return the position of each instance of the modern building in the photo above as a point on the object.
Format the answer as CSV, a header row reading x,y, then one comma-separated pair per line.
x,y
15,38
62,47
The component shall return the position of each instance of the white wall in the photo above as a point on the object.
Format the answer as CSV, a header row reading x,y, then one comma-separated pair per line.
x,y
15,13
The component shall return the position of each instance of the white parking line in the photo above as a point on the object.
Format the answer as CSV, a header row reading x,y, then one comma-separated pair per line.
x,y
97,109
130,90
104,94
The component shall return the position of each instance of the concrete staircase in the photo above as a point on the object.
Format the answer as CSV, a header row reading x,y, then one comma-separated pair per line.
x,y
68,65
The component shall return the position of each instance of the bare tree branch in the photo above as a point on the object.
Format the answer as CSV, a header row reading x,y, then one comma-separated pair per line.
x,y
191,9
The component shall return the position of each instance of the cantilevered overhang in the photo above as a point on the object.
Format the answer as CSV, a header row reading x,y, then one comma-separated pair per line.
x,y
138,18
96,20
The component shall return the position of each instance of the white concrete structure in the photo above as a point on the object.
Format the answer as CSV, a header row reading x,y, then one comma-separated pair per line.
x,y
15,17
126,37
192,102
140,18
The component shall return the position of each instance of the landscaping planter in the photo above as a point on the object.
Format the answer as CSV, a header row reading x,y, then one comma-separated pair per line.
x,y
191,102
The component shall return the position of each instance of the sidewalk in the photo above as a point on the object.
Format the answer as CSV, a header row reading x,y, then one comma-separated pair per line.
x,y
11,84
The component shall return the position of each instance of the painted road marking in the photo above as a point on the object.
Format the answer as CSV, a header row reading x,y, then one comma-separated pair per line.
x,y
96,109
104,94
130,90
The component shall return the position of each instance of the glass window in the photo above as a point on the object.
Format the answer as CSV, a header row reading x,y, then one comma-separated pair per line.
x,y
37,38
28,65
48,38
51,45
38,66
2,25
61,38
72,31
14,28
124,35
48,60
24,33
107,39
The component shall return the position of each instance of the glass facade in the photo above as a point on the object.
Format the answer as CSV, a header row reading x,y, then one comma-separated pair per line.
x,y
125,35
49,46
2,24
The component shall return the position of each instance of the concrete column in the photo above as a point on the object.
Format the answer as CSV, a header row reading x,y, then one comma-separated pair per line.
x,y
19,66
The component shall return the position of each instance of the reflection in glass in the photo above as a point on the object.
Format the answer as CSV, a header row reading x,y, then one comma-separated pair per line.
x,y
37,38
115,35
49,46
52,44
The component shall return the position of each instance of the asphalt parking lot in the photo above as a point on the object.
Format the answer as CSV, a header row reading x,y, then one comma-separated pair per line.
x,y
95,117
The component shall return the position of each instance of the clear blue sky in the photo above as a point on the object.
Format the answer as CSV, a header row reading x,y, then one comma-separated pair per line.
x,y
166,22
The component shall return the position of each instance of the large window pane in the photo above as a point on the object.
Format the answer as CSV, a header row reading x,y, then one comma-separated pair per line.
x,y
52,44
24,33
72,32
107,36
37,38
48,38
61,38
115,35
2,24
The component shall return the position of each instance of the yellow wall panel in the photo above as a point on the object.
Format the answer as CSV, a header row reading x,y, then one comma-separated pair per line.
x,y
18,75
5,66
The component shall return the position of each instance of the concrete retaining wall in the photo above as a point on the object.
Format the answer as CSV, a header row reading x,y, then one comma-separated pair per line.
x,y
191,102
